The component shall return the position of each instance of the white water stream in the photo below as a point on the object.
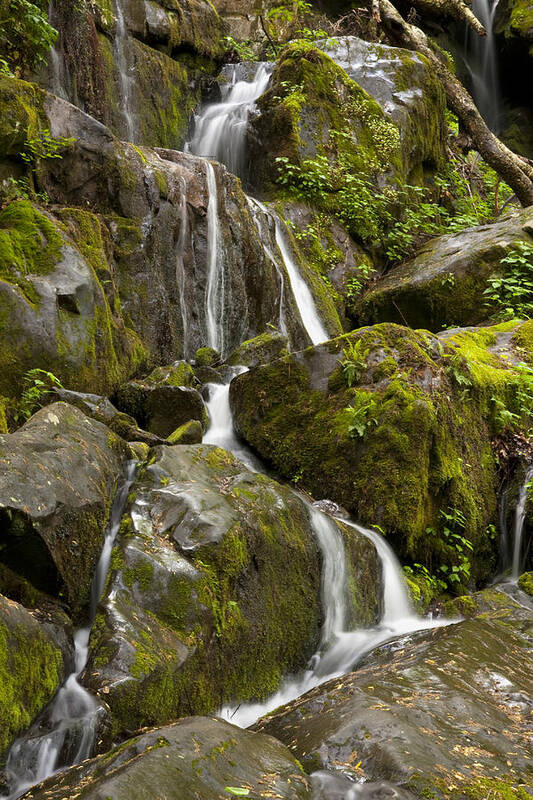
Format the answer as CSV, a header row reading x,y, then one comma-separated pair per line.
x,y
123,59
520,518
65,733
220,129
482,62
214,293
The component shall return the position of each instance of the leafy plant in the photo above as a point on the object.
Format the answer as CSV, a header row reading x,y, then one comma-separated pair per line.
x,y
353,363
44,146
37,384
355,284
26,36
456,547
242,50
511,295
360,415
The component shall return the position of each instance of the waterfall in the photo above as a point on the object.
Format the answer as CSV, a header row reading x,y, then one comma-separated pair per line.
x,y
221,431
260,217
65,733
123,59
214,293
482,64
220,129
520,518
341,650
300,290
181,278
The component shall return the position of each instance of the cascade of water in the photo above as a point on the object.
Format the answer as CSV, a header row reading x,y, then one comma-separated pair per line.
x,y
341,650
520,517
214,292
66,731
181,279
260,218
123,59
302,294
58,83
220,130
221,431
482,63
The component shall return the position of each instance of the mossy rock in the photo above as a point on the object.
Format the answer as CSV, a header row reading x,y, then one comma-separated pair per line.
x,y
206,357
189,433
214,593
55,506
178,374
260,350
444,284
198,758
399,445
31,669
161,407
435,715
21,115
525,582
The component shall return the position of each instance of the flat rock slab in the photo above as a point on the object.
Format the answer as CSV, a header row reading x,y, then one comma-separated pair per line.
x,y
194,759
449,710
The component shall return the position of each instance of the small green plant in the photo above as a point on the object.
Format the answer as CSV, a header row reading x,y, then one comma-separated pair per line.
x,y
37,384
456,547
353,362
511,295
360,415
355,284
44,146
242,50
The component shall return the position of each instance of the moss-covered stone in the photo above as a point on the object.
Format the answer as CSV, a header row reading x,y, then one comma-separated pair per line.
x,y
206,357
189,433
31,669
525,582
261,350
215,592
395,425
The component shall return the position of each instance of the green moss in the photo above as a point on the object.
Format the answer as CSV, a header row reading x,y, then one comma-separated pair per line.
x,y
206,357
178,374
31,668
21,114
29,245
521,19
189,433
525,582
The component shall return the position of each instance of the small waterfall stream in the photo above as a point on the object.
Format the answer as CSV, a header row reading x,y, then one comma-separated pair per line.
x,y
482,62
123,58
65,733
220,129
518,531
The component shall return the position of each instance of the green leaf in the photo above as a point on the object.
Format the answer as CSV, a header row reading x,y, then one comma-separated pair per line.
x,y
237,791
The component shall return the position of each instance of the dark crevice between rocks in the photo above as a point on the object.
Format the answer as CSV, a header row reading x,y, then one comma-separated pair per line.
x,y
25,555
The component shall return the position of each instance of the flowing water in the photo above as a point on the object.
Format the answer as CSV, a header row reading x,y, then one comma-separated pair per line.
x,y
124,62
65,733
300,290
341,650
181,277
220,129
520,518
482,63
214,293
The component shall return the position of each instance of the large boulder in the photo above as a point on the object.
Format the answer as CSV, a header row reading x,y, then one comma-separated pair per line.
x,y
214,593
194,758
444,715
444,284
58,303
396,426
58,475
31,669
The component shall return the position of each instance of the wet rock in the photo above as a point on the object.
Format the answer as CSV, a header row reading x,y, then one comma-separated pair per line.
x,y
57,480
31,669
207,357
102,409
261,350
160,407
193,759
447,712
370,420
215,589
444,284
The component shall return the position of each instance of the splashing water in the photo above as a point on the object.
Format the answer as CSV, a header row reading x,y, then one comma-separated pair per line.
x,y
220,130
65,733
123,58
